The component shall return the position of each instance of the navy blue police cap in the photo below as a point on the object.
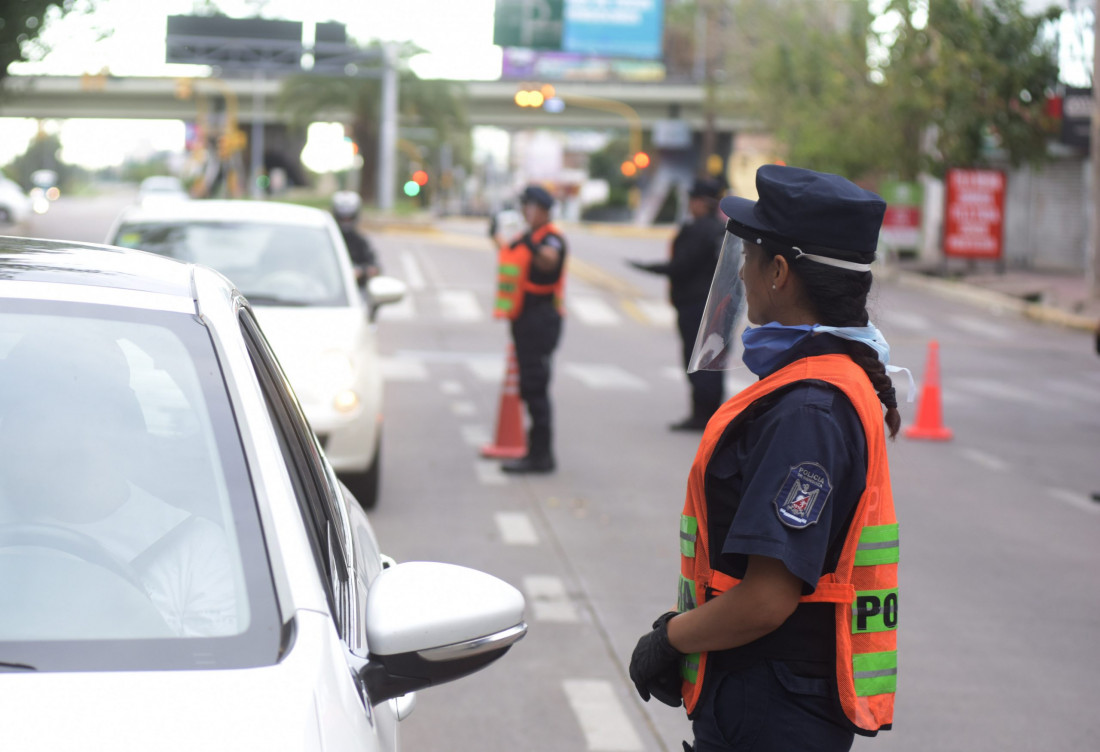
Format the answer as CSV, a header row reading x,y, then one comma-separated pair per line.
x,y
536,194
816,212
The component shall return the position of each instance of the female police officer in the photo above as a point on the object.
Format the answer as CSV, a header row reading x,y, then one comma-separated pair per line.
x,y
784,636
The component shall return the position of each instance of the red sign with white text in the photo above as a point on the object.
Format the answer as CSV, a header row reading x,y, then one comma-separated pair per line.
x,y
974,215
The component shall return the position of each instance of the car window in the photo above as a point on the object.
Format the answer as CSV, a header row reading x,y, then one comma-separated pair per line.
x,y
318,493
126,511
271,264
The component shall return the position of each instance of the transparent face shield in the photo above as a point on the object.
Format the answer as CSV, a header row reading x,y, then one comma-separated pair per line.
x,y
718,344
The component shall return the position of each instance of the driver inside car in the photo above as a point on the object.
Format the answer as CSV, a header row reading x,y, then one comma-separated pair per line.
x,y
68,440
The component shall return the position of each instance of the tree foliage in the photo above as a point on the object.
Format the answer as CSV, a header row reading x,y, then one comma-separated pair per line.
x,y
429,105
946,85
21,21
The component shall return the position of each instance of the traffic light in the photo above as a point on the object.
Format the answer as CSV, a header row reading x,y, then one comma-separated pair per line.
x,y
641,160
420,177
628,168
533,95
412,188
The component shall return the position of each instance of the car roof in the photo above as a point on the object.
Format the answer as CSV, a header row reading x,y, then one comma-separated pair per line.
x,y
217,210
87,264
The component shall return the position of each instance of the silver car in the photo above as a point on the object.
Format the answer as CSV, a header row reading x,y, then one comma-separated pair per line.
x,y
179,566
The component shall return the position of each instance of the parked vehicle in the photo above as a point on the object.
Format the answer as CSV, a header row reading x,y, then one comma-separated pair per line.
x,y
15,204
180,568
291,263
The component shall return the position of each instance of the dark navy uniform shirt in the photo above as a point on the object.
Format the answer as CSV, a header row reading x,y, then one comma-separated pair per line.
x,y
783,482
545,277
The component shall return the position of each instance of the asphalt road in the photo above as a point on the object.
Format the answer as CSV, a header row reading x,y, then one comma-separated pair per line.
x,y
999,555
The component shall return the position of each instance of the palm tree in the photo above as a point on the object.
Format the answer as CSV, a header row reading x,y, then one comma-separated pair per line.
x,y
434,106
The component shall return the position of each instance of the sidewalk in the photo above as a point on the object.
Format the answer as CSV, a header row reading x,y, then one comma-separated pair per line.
x,y
1058,298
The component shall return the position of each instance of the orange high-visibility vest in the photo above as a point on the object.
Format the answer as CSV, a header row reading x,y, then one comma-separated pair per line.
x,y
865,584
513,276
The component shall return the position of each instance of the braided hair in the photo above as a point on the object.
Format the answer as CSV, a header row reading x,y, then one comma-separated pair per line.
x,y
839,298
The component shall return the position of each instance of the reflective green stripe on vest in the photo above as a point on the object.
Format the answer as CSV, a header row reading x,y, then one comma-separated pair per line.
x,y
875,673
689,667
685,599
875,611
878,544
508,270
689,531
503,304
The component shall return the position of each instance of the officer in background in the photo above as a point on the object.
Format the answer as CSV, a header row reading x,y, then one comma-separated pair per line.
x,y
530,286
345,208
690,269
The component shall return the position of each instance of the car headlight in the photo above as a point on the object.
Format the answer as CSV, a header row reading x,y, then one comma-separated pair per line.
x,y
334,374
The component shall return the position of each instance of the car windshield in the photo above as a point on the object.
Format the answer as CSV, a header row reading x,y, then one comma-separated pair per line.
x,y
272,264
126,515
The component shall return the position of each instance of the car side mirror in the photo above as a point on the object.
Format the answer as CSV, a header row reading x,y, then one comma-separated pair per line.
x,y
385,290
430,623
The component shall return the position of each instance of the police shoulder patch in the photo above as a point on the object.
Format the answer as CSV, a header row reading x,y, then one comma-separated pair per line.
x,y
803,495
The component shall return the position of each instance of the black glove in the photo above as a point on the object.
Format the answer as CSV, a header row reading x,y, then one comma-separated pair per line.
x,y
638,265
492,226
655,664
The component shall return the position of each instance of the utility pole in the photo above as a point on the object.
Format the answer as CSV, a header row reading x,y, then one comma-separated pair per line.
x,y
1092,262
387,131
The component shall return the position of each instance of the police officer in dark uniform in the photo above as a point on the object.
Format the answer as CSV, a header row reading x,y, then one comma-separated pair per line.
x,y
537,328
789,476
690,269
345,209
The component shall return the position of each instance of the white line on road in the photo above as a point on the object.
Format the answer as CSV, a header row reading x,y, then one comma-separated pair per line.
x,y
592,311
1073,389
1074,499
451,387
460,305
904,320
414,278
601,716
516,529
981,327
464,408
658,314
988,461
1000,390
475,435
548,600
403,369
487,369
605,376
489,474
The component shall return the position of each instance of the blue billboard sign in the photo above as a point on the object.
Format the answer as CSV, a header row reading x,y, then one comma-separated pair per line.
x,y
613,28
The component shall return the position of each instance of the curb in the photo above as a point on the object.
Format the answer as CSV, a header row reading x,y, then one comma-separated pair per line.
x,y
991,300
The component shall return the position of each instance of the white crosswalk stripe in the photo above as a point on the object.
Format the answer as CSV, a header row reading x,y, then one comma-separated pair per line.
x,y
461,306
516,528
403,369
601,716
592,311
605,376
658,313
981,327
904,320
548,599
414,278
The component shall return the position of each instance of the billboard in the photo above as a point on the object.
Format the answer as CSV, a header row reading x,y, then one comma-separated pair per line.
x,y
974,215
603,28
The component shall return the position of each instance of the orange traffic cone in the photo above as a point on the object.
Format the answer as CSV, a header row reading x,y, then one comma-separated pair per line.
x,y
510,441
929,423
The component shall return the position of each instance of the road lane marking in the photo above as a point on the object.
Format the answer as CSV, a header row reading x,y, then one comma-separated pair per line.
x,y
1075,499
605,376
464,408
490,370
460,305
1000,390
903,320
516,529
451,388
414,278
402,369
489,474
548,599
601,716
988,461
981,327
475,435
592,311
1072,389
656,313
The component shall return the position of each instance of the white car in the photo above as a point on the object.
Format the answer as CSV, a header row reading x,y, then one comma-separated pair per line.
x,y
292,264
15,204
179,567
161,189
